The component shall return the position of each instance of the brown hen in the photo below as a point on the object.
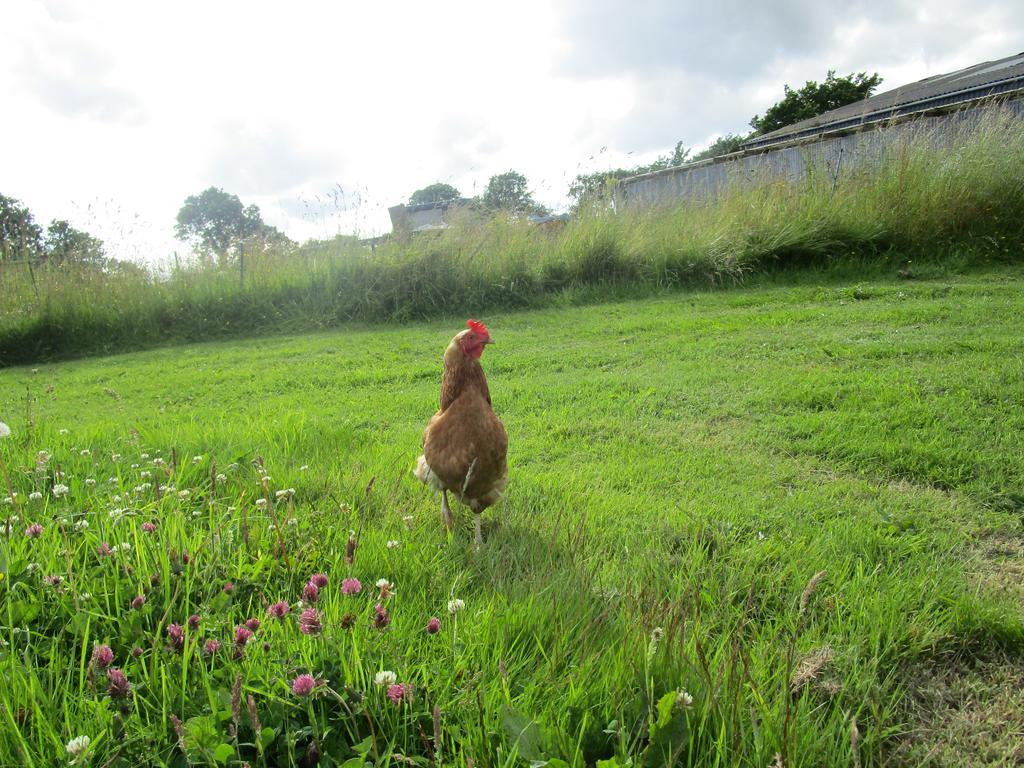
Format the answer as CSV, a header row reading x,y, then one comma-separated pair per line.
x,y
465,445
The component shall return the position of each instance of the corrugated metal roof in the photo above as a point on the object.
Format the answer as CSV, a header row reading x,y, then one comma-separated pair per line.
x,y
990,78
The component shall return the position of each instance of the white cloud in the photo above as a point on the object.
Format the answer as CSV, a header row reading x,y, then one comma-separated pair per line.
x,y
324,114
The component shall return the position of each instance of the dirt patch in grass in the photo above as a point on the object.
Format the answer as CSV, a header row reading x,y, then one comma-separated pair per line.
x,y
1001,561
970,712
967,713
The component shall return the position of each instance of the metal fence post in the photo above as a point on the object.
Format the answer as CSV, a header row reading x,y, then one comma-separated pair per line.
x,y
28,260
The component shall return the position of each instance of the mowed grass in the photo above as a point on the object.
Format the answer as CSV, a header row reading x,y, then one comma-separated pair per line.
x,y
681,470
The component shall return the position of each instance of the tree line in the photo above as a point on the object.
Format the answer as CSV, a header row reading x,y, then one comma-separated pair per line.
x,y
508,192
220,227
22,239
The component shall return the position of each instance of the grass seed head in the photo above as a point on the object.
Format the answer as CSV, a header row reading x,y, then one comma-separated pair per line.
x,y
808,593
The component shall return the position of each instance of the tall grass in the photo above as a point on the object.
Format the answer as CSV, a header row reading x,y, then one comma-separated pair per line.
x,y
927,192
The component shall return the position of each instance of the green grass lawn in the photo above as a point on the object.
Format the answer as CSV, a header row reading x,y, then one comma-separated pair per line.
x,y
680,469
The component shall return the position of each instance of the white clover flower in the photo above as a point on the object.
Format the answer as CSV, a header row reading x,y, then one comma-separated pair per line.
x,y
166,488
32,567
158,462
383,584
115,514
196,512
86,596
82,525
385,677
232,466
407,520
683,699
115,457
112,480
135,466
90,481
456,605
42,457
221,477
85,452
145,474
5,431
144,456
60,489
392,544
63,431
8,500
261,503
125,547
77,746
116,499
184,494
196,459
292,521
141,488
35,496
304,467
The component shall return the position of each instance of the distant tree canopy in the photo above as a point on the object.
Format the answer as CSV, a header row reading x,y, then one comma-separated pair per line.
x,y
20,236
65,243
723,145
814,99
510,191
435,193
593,188
217,221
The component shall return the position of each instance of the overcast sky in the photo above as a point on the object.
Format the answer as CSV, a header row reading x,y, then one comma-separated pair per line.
x,y
325,113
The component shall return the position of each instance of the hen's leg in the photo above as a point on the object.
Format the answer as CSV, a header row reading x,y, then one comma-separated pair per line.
x,y
446,512
479,537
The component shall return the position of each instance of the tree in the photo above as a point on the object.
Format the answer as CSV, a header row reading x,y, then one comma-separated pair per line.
x,y
65,243
20,236
435,193
509,191
723,145
593,188
814,99
218,222
679,156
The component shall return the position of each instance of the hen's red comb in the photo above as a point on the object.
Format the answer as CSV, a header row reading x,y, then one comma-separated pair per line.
x,y
477,327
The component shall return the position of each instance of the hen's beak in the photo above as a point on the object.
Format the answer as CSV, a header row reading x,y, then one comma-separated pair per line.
x,y
488,340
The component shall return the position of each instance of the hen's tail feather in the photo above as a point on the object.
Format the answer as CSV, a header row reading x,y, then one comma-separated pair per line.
x,y
426,475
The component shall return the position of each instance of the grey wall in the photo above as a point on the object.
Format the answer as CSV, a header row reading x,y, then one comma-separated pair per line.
x,y
833,155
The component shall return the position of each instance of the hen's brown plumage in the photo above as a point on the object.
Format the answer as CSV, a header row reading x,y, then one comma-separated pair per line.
x,y
465,444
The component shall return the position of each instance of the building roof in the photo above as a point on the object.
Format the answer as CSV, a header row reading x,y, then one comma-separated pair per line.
x,y
442,205
990,78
